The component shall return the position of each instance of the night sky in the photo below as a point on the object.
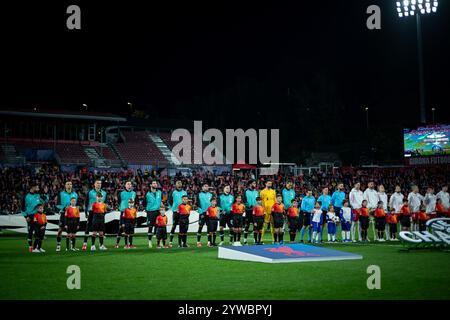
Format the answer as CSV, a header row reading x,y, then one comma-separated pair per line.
x,y
305,67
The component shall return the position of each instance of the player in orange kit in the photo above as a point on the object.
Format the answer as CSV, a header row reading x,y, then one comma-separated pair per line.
x,y
293,220
212,215
99,209
40,222
258,221
161,228
278,218
72,220
128,222
237,210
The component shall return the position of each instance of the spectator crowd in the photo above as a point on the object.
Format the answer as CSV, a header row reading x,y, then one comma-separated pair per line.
x,y
15,182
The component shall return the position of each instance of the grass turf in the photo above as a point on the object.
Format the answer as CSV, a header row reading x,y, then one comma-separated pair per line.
x,y
197,273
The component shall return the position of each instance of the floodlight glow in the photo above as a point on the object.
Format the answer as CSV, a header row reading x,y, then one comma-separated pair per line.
x,y
412,7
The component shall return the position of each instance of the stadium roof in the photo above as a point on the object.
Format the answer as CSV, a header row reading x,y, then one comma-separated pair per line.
x,y
64,114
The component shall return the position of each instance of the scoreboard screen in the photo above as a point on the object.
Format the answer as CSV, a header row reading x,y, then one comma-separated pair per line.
x,y
427,141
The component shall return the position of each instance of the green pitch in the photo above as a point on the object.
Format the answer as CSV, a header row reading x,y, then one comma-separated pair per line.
x,y
197,273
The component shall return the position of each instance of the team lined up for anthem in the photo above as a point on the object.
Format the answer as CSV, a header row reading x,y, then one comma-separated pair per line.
x,y
303,214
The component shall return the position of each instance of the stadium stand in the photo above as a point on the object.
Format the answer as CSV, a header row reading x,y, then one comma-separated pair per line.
x,y
139,149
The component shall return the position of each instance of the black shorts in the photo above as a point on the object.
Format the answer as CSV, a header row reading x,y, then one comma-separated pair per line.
x,y
422,225
161,233
238,220
259,221
294,224
72,225
380,223
184,223
89,221
225,220
278,220
248,220
62,220
151,217
364,221
129,226
39,233
202,219
306,218
405,221
98,223
175,219
212,224
324,217
393,227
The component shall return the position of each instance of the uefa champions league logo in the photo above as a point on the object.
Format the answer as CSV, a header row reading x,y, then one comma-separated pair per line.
x,y
438,237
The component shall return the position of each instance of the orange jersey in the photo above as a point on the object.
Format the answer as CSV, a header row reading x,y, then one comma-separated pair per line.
x,y
258,211
379,213
278,208
161,221
440,208
237,208
293,212
422,216
405,210
184,209
392,218
99,208
364,212
40,218
130,214
212,212
72,212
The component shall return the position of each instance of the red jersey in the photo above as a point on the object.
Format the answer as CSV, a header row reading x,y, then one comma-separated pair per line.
x,y
212,212
99,208
161,221
293,212
237,208
392,218
278,208
72,212
440,208
404,210
130,213
379,213
422,216
40,218
184,209
258,211
364,212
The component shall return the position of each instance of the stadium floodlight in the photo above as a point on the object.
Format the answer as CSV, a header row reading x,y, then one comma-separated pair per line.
x,y
417,8
408,8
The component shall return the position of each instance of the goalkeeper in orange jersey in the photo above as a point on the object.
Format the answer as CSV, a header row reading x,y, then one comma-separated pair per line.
x,y
268,197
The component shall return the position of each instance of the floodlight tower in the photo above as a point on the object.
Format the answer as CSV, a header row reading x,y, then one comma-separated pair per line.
x,y
417,8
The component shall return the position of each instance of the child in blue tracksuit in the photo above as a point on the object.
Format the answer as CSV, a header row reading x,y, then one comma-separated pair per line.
x,y
346,221
331,224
